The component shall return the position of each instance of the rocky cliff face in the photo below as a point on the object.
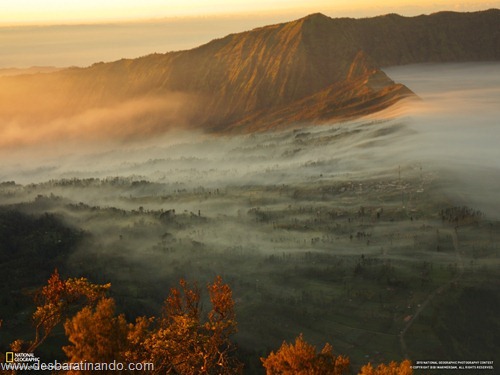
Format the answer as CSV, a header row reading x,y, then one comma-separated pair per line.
x,y
311,70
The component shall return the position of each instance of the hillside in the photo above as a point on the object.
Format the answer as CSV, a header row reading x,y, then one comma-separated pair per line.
x,y
313,69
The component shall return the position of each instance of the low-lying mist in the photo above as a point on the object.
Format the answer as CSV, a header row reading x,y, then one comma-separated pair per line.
x,y
36,114
115,123
454,127
457,126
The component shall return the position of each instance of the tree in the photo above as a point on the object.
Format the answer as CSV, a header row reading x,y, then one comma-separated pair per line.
x,y
393,368
183,342
301,359
96,334
54,302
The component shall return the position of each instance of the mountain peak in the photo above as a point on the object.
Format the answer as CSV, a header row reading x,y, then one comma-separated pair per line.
x,y
316,16
361,66
315,20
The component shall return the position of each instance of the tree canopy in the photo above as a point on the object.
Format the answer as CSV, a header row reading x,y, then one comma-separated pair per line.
x,y
185,339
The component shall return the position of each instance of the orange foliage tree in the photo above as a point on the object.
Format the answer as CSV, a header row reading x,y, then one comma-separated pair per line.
x,y
54,302
393,368
301,359
96,334
182,341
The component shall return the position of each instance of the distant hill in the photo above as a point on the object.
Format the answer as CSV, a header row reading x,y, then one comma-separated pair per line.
x,y
314,69
32,70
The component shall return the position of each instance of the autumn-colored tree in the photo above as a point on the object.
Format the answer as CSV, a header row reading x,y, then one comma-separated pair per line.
x,y
393,368
222,324
96,334
137,333
54,302
183,342
301,359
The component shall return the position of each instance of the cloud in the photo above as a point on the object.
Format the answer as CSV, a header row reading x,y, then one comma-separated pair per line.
x,y
134,119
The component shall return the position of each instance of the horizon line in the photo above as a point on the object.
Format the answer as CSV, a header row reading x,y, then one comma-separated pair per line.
x,y
223,16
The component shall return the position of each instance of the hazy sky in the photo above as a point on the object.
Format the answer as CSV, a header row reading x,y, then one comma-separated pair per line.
x,y
67,11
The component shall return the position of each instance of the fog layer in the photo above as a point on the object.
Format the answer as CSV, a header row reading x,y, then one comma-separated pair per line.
x,y
454,127
457,125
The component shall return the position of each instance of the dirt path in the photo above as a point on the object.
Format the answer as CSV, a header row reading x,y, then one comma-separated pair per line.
x,y
441,289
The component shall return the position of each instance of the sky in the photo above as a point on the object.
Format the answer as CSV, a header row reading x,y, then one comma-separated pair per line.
x,y
69,11
62,33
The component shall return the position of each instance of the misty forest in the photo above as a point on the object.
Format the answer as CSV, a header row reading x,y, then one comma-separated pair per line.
x,y
375,231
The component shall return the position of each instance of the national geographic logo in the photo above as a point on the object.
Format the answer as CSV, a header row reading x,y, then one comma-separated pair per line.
x,y
11,357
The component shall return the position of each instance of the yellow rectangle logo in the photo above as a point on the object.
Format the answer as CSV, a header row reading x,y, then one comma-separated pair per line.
x,y
9,357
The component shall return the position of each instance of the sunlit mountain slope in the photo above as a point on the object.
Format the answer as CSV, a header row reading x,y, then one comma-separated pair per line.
x,y
311,70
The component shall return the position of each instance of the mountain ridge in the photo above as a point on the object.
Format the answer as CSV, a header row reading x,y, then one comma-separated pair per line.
x,y
274,74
